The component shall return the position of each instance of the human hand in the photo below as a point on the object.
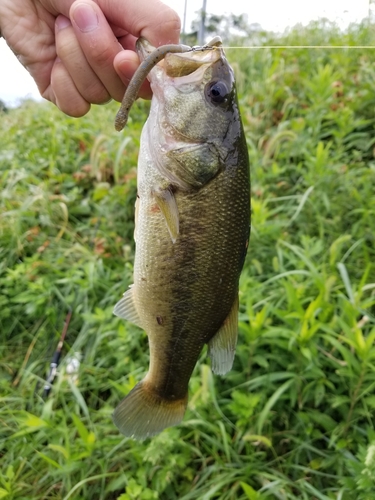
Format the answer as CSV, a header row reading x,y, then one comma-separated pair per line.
x,y
74,50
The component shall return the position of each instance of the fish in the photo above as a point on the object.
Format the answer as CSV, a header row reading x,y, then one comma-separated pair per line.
x,y
192,227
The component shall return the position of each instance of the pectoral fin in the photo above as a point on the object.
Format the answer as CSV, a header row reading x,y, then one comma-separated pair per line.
x,y
222,347
126,309
168,207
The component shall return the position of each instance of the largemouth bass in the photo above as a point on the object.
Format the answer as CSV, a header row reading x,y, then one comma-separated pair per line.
x,y
191,229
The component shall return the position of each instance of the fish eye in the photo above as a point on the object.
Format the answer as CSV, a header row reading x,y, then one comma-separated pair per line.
x,y
217,92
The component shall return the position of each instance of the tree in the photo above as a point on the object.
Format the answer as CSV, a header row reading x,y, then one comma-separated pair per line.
x,y
228,27
3,107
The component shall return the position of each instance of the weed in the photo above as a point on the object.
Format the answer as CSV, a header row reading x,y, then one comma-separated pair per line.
x,y
294,419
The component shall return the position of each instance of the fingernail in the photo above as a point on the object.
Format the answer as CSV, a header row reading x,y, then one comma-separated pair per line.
x,y
62,22
85,17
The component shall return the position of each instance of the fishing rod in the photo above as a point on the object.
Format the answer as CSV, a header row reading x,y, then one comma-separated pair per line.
x,y
56,357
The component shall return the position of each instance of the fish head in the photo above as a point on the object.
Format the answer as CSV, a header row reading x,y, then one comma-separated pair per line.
x,y
195,92
194,118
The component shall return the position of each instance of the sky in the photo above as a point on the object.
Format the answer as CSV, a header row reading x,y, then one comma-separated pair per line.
x,y
275,15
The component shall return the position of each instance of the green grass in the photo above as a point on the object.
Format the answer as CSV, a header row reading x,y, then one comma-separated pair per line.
x,y
294,419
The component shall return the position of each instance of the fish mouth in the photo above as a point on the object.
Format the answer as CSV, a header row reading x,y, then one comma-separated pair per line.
x,y
144,48
182,64
174,67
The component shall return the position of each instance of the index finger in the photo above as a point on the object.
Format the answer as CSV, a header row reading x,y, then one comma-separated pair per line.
x,y
152,19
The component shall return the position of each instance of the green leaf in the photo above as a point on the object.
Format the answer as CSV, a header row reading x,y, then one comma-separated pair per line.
x,y
271,402
78,396
249,491
49,460
60,449
256,438
10,472
82,431
33,421
346,280
3,493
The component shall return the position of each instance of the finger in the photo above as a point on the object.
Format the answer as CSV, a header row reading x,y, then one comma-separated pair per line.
x,y
98,44
66,95
154,20
75,62
126,63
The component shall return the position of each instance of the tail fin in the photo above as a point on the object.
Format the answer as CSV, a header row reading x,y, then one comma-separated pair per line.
x,y
142,413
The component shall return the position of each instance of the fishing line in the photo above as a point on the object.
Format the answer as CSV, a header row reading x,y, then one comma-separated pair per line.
x,y
333,47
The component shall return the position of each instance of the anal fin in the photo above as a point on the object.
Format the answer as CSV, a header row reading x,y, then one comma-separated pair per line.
x,y
168,207
222,346
125,308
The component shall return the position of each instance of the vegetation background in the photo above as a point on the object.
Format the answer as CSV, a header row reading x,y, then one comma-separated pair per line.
x,y
294,419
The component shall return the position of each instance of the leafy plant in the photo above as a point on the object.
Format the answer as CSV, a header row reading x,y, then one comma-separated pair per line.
x,y
294,419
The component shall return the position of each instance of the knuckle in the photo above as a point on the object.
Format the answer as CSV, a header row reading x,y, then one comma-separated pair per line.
x,y
75,108
170,22
66,44
103,55
96,94
174,22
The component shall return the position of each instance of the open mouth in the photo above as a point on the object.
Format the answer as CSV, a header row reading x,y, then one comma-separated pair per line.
x,y
177,65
